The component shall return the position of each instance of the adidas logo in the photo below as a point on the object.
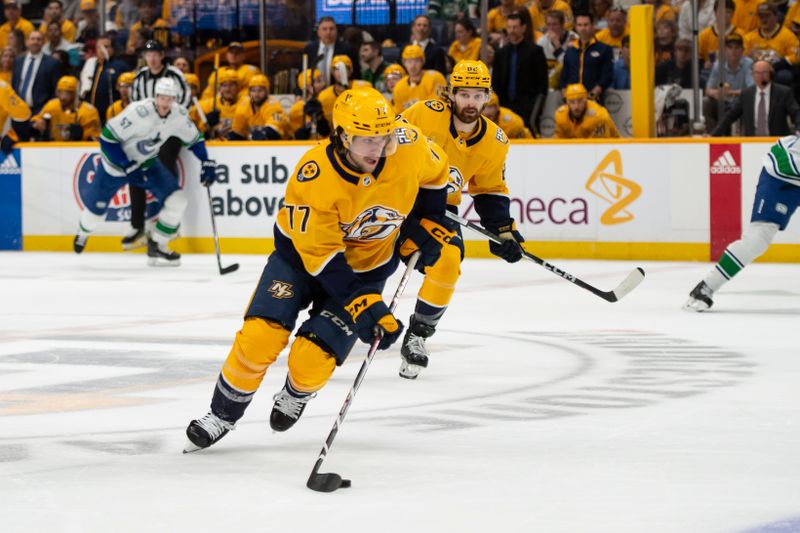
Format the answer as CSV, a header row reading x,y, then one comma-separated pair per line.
x,y
725,164
9,165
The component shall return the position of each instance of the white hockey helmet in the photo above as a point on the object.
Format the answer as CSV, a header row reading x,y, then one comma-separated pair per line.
x,y
167,87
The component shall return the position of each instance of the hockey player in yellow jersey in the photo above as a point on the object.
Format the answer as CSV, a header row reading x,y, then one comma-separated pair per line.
x,y
65,118
124,83
581,118
235,57
393,74
219,114
511,123
13,107
259,118
420,84
341,70
476,148
305,116
355,205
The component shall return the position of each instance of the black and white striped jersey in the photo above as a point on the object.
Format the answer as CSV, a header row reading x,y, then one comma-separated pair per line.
x,y
144,85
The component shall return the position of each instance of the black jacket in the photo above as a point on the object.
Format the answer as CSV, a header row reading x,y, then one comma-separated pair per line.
x,y
44,83
782,105
339,48
531,77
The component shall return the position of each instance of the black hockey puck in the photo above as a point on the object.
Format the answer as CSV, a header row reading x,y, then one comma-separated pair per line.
x,y
345,484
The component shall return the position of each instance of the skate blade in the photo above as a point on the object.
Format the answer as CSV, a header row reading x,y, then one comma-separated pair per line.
x,y
128,246
190,447
408,371
695,305
158,262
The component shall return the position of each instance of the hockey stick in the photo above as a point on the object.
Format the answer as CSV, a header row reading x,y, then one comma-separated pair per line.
x,y
222,270
330,482
628,284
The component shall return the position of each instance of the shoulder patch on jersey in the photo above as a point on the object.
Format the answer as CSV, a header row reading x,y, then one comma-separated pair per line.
x,y
3,84
182,110
435,105
308,172
406,135
501,136
141,111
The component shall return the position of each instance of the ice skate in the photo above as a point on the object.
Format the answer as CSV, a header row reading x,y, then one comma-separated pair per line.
x,y
79,242
135,239
287,409
700,298
160,255
413,352
206,431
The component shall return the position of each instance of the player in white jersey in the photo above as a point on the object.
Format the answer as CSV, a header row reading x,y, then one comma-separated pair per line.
x,y
129,144
777,197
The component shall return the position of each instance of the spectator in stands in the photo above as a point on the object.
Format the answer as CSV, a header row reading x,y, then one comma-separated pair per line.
x,y
773,43
124,84
89,26
421,36
763,107
55,41
220,110
599,10
664,10
235,57
622,66
745,16
149,20
183,64
321,51
7,58
511,123
259,117
554,42
581,118
679,69
540,8
466,45
354,37
519,76
496,19
708,40
705,17
14,21
616,30
393,74
54,12
65,61
65,118
99,76
126,13
452,10
306,119
588,61
35,74
372,62
738,76
420,84
16,41
666,35
342,74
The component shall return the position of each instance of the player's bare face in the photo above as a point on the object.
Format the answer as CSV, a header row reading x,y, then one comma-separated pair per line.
x,y
469,104
124,91
258,95
413,66
229,89
366,152
66,98
577,107
164,104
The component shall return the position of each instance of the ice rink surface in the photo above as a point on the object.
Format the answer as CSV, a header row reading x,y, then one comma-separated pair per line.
x,y
544,408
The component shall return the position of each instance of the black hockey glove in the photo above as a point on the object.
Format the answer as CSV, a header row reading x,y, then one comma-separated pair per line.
x,y
208,172
426,236
510,250
323,127
6,144
301,134
370,314
212,119
265,134
312,108
74,132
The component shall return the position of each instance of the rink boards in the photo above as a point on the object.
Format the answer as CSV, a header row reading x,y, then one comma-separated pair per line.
x,y
628,199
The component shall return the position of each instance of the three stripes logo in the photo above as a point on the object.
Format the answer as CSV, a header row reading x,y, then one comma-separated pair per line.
x,y
725,164
10,165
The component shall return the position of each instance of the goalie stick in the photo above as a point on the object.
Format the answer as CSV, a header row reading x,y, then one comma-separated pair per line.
x,y
330,482
627,285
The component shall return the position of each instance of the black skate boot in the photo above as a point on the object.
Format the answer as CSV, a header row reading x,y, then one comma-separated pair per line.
x,y
289,405
700,298
414,353
160,255
206,431
79,242
134,239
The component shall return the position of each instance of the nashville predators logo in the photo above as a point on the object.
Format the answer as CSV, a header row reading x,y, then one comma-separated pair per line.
x,y
308,172
281,289
435,105
374,223
607,183
456,181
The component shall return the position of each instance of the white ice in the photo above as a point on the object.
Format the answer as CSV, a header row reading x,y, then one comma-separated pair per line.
x,y
544,407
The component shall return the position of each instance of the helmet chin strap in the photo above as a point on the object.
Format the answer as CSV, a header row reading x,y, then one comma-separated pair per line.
x,y
344,153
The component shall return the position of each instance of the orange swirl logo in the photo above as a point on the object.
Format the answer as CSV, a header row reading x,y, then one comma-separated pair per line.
x,y
607,183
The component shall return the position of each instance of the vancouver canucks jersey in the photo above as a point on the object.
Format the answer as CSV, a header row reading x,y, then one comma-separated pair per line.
x,y
340,226
477,160
139,131
783,160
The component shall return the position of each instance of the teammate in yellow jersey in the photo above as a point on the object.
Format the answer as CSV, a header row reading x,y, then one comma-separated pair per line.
x,y
235,57
581,118
219,120
476,148
393,74
356,204
65,118
419,84
511,123
258,118
15,108
124,83
342,69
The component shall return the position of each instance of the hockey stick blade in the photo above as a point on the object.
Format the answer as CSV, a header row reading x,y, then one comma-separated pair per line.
x,y
228,269
627,285
327,482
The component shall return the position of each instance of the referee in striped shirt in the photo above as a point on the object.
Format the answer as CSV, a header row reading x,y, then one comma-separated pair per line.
x,y
144,86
